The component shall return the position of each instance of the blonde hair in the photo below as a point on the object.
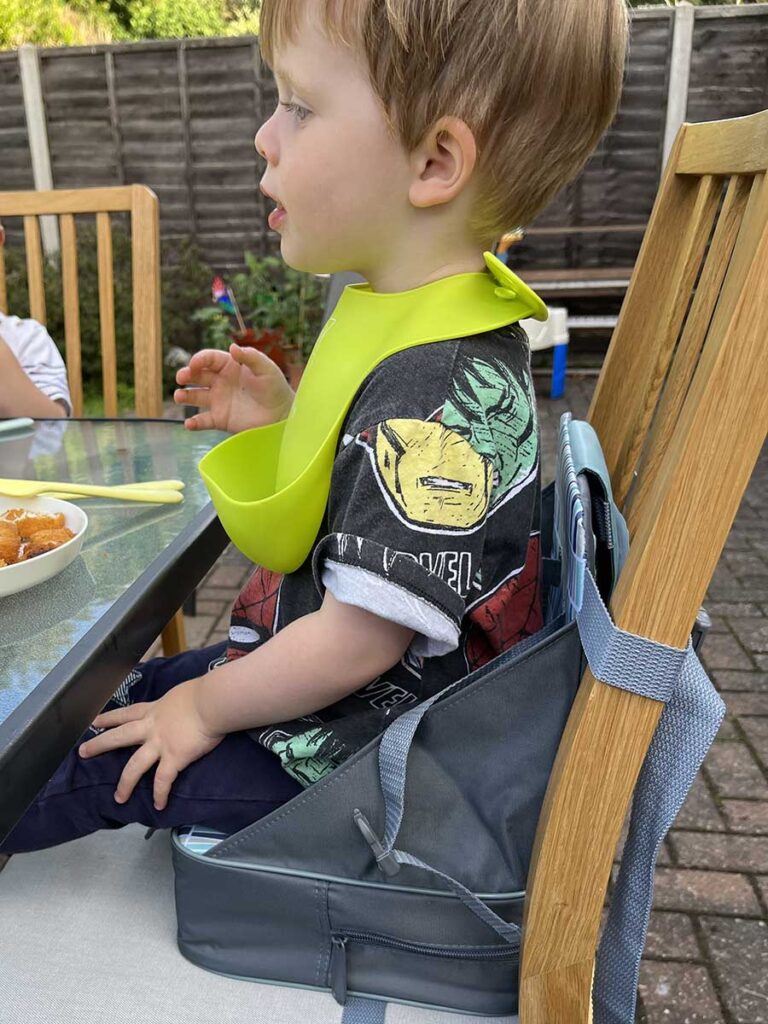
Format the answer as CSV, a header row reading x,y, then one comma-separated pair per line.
x,y
536,81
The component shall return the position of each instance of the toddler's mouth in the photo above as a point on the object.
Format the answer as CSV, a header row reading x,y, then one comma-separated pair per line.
x,y
278,214
277,217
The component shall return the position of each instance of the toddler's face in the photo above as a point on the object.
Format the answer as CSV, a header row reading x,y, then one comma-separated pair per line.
x,y
338,177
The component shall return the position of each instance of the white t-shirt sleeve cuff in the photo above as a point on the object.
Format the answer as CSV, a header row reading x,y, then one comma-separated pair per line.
x,y
435,635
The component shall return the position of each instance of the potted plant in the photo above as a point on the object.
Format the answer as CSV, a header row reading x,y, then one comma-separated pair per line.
x,y
269,306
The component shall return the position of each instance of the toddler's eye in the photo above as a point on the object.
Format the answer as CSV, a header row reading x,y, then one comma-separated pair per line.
x,y
299,112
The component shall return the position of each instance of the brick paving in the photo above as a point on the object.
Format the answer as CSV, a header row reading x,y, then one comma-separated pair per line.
x,y
706,960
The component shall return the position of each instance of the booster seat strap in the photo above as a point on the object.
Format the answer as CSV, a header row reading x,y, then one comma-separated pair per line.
x,y
396,740
622,659
692,715
394,748
363,1011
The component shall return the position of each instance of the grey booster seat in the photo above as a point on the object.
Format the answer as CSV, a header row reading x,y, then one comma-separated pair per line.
x,y
401,876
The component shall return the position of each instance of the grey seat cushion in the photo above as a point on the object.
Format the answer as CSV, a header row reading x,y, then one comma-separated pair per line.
x,y
88,935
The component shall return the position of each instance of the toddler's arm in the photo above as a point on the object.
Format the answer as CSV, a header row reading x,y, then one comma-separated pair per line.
x,y
313,662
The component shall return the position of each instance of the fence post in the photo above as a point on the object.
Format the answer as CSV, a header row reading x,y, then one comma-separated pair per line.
x,y
679,75
34,110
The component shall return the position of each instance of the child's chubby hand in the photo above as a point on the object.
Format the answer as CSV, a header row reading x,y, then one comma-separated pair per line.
x,y
169,732
243,389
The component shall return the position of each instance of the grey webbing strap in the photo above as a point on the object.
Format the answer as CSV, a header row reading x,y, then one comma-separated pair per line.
x,y
393,766
363,1011
685,732
396,743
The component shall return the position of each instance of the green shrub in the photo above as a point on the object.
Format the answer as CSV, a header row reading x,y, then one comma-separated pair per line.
x,y
269,295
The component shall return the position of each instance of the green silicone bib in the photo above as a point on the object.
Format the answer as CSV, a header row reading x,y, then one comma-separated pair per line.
x,y
270,485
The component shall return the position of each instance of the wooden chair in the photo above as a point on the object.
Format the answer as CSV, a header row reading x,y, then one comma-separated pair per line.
x,y
681,409
142,205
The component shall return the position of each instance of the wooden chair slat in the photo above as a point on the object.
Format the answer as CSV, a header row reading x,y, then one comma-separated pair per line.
x,y
75,200
737,146
650,321
691,343
71,310
146,302
107,312
655,306
34,252
704,471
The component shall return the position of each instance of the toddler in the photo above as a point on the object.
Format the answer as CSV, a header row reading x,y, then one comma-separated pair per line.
x,y
408,136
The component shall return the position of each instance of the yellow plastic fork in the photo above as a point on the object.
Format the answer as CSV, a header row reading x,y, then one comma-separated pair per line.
x,y
166,492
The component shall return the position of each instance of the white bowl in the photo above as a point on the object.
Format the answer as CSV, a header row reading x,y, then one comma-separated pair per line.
x,y
23,575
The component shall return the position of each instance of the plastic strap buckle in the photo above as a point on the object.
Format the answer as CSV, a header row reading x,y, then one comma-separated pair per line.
x,y
386,860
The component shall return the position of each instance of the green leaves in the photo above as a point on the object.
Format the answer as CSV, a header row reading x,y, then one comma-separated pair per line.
x,y
270,295
78,22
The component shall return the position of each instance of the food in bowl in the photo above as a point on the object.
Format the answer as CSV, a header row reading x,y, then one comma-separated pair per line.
x,y
25,534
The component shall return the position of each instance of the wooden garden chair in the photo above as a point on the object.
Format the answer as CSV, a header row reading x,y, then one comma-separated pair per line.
x,y
681,409
142,205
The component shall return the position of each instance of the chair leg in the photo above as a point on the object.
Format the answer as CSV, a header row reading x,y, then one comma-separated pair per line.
x,y
174,636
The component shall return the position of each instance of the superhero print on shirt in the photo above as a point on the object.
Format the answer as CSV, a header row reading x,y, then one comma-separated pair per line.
x,y
509,614
431,477
254,613
307,756
492,405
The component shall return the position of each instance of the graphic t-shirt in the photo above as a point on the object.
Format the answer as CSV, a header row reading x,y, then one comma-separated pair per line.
x,y
432,521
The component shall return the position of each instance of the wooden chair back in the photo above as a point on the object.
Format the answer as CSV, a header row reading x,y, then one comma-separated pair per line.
x,y
681,409
142,205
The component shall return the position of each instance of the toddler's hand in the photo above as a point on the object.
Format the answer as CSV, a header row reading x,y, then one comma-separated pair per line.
x,y
168,732
244,389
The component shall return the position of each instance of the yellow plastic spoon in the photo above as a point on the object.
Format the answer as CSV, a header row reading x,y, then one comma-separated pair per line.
x,y
30,488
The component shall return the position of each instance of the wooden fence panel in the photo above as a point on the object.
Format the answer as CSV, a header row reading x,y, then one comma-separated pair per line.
x,y
77,116
16,162
224,114
729,67
180,116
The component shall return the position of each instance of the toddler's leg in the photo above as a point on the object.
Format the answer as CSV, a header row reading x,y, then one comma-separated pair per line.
x,y
231,786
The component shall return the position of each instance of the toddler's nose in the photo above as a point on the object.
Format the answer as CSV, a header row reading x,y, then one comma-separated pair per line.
x,y
265,142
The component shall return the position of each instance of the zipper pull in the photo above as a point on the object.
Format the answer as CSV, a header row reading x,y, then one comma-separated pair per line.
x,y
339,969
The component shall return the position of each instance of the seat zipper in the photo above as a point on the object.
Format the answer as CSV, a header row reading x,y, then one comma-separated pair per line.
x,y
338,965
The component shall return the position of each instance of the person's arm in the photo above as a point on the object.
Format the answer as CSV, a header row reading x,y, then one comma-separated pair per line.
x,y
18,395
313,662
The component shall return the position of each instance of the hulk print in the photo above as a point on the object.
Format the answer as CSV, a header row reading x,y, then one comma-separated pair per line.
x,y
492,404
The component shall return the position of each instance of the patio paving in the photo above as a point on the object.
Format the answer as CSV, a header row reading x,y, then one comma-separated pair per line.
x,y
706,960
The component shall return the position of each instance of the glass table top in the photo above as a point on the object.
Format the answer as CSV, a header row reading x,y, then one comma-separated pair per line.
x,y
39,626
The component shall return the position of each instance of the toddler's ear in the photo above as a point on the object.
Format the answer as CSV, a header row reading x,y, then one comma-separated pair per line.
x,y
442,163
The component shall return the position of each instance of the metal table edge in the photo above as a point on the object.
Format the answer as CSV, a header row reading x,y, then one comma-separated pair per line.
x,y
43,705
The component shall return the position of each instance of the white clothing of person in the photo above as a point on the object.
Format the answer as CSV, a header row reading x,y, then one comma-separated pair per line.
x,y
38,356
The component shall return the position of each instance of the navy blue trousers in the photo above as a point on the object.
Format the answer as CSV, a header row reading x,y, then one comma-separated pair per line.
x,y
235,784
